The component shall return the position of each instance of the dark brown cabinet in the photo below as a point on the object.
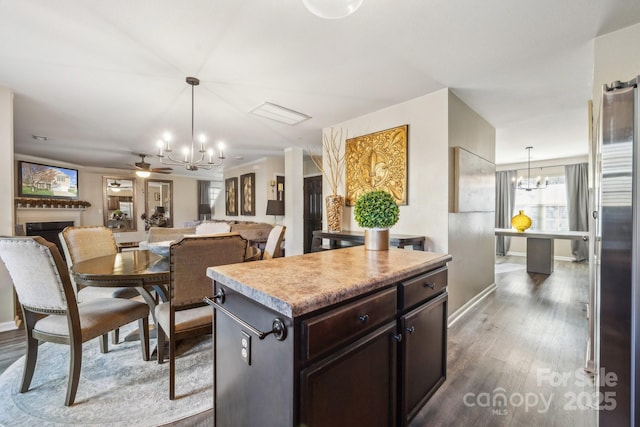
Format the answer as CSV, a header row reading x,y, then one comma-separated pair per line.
x,y
355,387
423,361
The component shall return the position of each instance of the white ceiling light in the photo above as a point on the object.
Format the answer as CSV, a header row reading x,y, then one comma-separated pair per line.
x,y
332,9
279,114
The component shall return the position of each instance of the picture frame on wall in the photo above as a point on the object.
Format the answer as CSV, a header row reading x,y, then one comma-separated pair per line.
x,y
377,161
247,194
46,181
231,196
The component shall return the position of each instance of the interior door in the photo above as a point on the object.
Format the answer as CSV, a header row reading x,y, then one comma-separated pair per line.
x,y
312,209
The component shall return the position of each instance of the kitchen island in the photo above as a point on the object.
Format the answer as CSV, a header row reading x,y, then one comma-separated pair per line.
x,y
343,337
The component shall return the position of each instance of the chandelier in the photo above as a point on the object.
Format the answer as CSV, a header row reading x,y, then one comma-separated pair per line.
x,y
191,160
529,184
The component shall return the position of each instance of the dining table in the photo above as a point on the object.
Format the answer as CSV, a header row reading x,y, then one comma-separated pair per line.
x,y
140,269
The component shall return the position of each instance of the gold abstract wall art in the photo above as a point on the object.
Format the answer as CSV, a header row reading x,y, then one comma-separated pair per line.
x,y
377,161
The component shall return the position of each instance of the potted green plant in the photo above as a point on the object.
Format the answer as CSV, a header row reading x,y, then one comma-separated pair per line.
x,y
376,211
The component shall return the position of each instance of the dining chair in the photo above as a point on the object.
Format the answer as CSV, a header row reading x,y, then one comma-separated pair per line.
x,y
81,243
52,313
185,314
272,249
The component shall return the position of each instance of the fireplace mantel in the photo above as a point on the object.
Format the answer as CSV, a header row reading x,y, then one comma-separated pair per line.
x,y
24,215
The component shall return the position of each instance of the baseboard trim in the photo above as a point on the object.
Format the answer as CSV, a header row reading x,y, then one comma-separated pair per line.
x,y
8,326
459,313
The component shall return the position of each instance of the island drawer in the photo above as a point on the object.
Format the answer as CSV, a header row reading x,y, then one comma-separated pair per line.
x,y
329,330
418,289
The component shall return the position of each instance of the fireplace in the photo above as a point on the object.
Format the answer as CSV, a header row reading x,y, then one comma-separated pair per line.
x,y
48,230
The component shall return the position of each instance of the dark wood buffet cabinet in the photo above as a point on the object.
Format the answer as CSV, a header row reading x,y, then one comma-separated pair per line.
x,y
370,354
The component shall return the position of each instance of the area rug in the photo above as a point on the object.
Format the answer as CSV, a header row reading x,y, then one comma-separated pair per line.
x,y
115,389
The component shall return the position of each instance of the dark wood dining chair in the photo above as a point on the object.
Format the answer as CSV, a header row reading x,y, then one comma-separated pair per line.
x,y
52,313
273,249
81,243
185,314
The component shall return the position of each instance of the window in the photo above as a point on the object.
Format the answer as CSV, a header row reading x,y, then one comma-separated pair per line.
x,y
547,207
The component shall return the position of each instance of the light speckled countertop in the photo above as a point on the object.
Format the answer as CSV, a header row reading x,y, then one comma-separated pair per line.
x,y
294,286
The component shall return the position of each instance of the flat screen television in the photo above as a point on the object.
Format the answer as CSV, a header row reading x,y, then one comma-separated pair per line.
x,y
46,181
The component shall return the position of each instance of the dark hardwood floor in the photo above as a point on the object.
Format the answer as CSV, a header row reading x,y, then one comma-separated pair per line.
x,y
525,344
514,360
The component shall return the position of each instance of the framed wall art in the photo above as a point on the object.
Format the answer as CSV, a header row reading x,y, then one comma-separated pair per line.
x,y
247,194
377,161
231,196
52,182
474,182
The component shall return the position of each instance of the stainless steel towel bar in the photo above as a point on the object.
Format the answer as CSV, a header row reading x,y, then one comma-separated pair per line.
x,y
278,327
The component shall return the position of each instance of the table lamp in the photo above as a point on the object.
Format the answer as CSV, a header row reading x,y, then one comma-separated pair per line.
x,y
275,207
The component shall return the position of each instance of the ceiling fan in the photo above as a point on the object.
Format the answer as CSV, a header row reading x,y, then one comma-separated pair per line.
x,y
145,167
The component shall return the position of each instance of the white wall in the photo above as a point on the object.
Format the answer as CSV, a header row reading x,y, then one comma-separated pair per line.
x,y
6,200
426,211
471,234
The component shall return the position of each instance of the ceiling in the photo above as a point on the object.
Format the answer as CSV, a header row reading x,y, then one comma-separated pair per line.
x,y
104,80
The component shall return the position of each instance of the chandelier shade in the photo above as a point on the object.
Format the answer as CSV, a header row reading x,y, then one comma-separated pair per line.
x,y
332,9
192,160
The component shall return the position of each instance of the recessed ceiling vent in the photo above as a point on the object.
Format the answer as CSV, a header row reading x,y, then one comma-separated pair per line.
x,y
279,114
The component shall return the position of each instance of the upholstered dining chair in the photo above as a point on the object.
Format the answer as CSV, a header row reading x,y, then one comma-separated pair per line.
x,y
81,243
272,249
52,313
185,315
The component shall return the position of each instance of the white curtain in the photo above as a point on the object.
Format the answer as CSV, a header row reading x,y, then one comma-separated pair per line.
x,y
505,201
578,206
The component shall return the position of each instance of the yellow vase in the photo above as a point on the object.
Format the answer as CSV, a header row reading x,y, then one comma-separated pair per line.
x,y
521,222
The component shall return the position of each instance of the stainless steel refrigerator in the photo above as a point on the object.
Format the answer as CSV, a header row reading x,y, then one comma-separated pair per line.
x,y
617,256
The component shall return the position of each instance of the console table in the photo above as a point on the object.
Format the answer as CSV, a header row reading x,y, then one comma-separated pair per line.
x,y
357,238
540,246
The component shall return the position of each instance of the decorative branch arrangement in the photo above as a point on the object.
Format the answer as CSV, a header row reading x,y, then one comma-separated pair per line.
x,y
332,150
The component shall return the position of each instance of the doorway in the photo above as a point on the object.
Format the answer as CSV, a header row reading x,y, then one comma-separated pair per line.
x,y
312,209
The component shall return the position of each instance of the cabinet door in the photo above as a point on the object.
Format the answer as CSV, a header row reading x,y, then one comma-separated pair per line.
x,y
353,387
423,356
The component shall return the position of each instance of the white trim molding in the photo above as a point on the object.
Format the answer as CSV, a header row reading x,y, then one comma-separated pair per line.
x,y
459,313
